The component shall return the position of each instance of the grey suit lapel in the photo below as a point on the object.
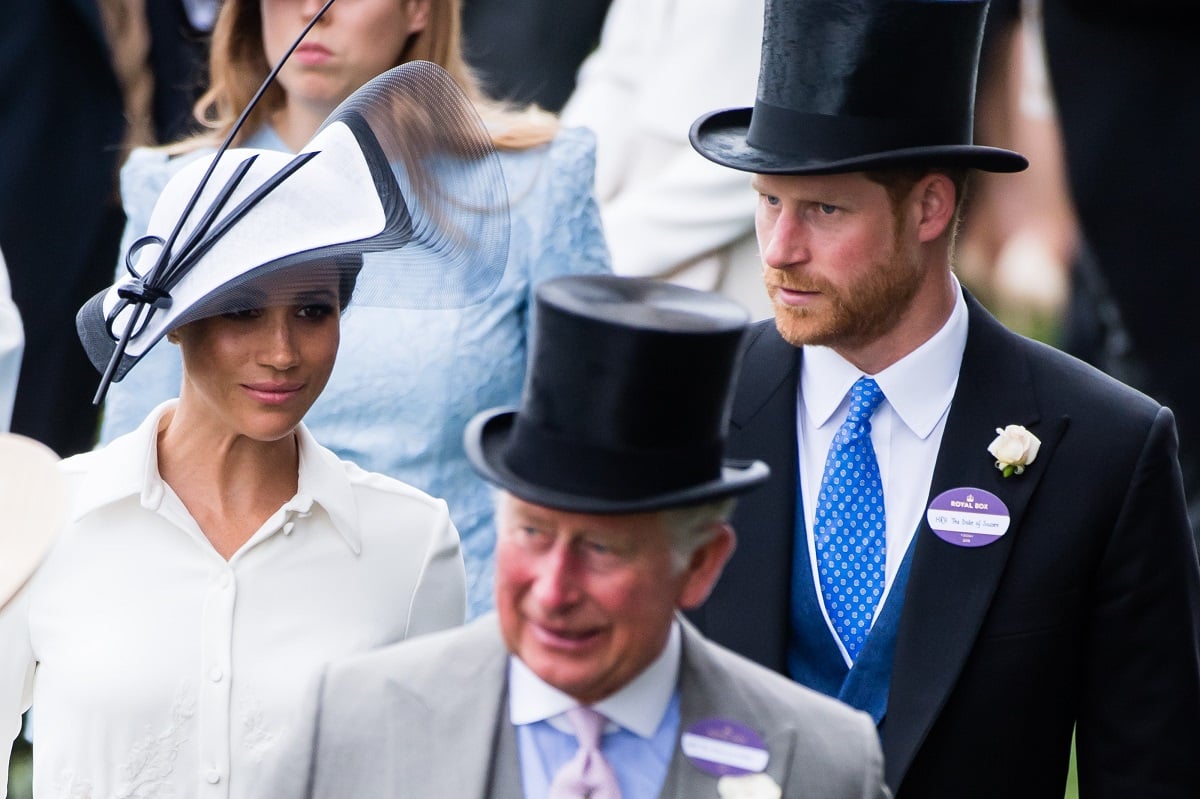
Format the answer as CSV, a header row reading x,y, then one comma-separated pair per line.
x,y
504,781
950,587
456,723
707,691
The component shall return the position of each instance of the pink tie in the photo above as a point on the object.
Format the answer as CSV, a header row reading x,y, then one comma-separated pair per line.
x,y
587,775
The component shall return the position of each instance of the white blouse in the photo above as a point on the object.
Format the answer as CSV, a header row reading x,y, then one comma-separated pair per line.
x,y
156,668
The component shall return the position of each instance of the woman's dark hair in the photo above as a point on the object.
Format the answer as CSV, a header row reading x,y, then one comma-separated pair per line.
x,y
349,267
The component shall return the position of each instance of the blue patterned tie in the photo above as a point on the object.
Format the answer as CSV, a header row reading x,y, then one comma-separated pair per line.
x,y
849,523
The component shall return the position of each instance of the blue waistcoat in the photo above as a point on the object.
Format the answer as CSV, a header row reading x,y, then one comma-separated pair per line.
x,y
813,656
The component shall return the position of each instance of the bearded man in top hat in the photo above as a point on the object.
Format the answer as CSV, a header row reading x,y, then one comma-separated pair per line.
x,y
611,517
978,540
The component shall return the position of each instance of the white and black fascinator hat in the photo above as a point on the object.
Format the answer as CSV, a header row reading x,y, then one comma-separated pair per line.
x,y
400,189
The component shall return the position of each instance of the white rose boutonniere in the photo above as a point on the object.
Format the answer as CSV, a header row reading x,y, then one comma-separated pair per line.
x,y
748,786
1014,449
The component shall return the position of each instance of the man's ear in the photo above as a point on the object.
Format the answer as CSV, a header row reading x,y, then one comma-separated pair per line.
x,y
705,566
935,197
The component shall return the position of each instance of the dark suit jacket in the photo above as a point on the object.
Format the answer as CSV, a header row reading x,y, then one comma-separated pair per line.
x,y
1087,610
1126,81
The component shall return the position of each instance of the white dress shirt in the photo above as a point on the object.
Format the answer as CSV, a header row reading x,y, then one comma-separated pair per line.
x,y
12,345
906,430
159,669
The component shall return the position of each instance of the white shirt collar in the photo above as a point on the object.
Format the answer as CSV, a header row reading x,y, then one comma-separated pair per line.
x,y
919,386
638,707
133,471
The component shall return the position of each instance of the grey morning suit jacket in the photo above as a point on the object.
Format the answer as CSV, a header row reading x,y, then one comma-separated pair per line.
x,y
428,718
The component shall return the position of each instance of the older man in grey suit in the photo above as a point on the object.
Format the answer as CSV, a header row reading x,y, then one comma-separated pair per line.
x,y
586,681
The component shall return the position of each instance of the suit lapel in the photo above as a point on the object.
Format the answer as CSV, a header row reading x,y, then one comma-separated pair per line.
x,y
763,426
504,781
707,691
950,587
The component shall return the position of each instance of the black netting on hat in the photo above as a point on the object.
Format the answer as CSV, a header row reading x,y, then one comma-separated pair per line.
x,y
443,169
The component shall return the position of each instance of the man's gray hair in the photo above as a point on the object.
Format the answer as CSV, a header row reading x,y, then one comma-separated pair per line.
x,y
693,526
689,527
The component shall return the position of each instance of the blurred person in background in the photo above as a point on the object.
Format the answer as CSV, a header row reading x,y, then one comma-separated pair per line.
x,y
1125,78
80,80
528,51
1019,237
668,213
61,128
179,40
159,51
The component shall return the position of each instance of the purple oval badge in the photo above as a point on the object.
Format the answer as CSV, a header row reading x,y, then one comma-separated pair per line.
x,y
968,517
721,747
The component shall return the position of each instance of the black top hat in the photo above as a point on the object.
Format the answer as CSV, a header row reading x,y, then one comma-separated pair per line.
x,y
849,85
626,403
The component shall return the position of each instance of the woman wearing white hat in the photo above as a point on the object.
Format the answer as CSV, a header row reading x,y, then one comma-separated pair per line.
x,y
406,384
213,559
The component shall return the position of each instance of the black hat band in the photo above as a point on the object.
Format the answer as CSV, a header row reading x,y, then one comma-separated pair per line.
x,y
576,467
824,137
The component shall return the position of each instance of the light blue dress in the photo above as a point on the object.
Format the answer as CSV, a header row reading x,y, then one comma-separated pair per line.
x,y
406,382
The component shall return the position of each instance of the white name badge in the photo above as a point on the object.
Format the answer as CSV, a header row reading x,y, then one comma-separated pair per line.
x,y
722,747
